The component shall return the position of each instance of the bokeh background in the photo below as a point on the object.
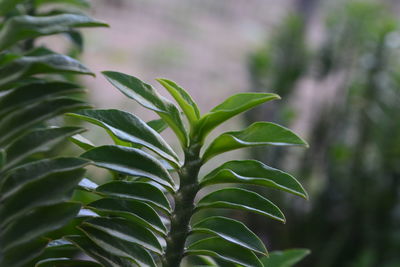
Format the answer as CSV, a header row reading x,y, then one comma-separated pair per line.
x,y
336,65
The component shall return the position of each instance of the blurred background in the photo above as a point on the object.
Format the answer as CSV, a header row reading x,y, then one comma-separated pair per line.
x,y
336,65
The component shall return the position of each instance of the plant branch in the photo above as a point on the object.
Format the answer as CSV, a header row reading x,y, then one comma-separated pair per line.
x,y
184,207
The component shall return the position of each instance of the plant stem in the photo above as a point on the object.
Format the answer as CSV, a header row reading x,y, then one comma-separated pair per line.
x,y
184,207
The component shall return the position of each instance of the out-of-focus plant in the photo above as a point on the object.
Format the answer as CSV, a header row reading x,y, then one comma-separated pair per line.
x,y
277,66
146,216
34,188
355,143
282,60
358,138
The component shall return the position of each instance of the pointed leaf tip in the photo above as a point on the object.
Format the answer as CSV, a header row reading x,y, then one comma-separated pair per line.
x,y
184,100
148,97
229,108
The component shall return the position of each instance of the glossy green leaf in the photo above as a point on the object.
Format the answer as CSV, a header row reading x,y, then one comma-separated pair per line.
x,y
129,128
221,249
119,247
255,173
136,191
18,177
231,107
232,231
30,250
36,141
148,97
31,65
102,256
25,27
133,210
15,123
184,100
236,198
34,92
51,189
82,142
158,125
40,221
128,231
65,262
257,134
286,258
130,161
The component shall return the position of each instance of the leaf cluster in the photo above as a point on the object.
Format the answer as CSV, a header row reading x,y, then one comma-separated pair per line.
x,y
146,216
35,189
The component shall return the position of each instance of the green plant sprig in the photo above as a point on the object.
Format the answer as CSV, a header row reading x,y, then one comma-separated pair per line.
x,y
147,197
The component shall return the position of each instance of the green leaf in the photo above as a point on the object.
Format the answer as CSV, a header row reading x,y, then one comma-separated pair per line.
x,y
25,95
129,128
8,5
133,210
104,257
82,142
36,141
78,3
236,198
37,223
20,28
158,125
17,178
184,100
76,37
257,134
148,97
30,250
136,191
15,123
221,249
51,189
130,161
286,258
31,65
255,173
231,107
128,231
7,57
3,159
60,247
119,247
65,262
232,231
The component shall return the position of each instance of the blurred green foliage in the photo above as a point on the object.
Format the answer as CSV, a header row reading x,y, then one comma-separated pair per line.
x,y
354,155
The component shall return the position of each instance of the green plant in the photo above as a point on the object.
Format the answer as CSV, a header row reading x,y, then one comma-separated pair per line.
x,y
147,214
35,188
352,167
